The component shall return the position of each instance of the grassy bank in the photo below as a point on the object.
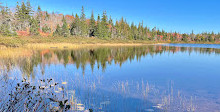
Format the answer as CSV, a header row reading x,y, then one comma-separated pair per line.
x,y
62,42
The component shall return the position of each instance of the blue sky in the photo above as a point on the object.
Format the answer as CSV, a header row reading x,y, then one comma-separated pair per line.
x,y
171,15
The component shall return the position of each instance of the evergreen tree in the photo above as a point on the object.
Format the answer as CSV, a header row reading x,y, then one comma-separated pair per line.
x,y
211,37
185,37
65,29
118,30
46,29
22,16
29,9
111,33
98,30
34,26
83,24
39,14
92,25
6,27
75,27
18,11
133,31
104,26
58,31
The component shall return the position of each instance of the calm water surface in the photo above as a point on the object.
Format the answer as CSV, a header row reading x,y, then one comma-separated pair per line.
x,y
171,77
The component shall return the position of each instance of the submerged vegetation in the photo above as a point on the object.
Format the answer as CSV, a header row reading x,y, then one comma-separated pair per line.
x,y
28,22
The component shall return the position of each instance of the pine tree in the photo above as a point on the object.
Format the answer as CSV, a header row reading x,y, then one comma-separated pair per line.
x,y
185,37
140,31
118,29
83,24
91,25
58,31
46,29
29,9
6,27
39,14
211,37
18,11
75,26
133,31
34,26
104,26
110,22
65,29
22,16
98,30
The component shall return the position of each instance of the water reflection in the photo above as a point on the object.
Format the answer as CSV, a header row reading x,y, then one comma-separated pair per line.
x,y
82,57
135,78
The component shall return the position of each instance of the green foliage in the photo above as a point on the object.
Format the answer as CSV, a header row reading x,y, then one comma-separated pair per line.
x,y
83,24
62,31
185,36
39,14
46,29
58,31
65,29
6,28
26,18
34,27
98,29
92,25
104,26
75,27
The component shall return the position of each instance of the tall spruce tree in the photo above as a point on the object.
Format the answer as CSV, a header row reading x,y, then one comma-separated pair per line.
x,y
104,26
83,24
34,26
75,26
98,29
58,31
39,14
91,25
111,32
65,29
5,28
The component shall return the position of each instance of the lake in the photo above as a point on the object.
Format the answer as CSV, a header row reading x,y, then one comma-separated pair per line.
x,y
149,78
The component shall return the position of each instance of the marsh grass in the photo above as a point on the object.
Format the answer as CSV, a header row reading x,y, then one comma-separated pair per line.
x,y
61,42
15,53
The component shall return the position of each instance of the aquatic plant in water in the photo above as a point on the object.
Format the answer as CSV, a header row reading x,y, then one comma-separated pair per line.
x,y
27,97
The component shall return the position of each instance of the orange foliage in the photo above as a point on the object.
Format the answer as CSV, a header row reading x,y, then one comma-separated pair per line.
x,y
44,52
23,33
87,21
44,34
69,17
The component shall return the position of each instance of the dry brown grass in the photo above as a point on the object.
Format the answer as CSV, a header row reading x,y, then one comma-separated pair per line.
x,y
76,45
15,53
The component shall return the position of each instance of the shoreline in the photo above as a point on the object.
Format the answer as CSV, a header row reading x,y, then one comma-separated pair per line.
x,y
72,42
84,45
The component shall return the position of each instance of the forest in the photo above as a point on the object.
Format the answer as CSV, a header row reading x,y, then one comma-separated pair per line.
x,y
24,21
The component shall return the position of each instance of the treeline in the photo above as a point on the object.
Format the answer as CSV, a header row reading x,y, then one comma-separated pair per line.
x,y
25,20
